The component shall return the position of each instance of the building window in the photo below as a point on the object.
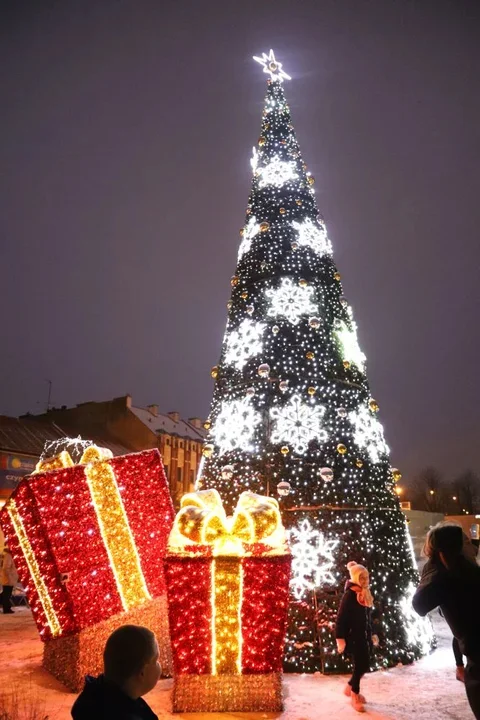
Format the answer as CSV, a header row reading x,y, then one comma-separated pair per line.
x,y
179,475
165,467
192,477
167,441
181,444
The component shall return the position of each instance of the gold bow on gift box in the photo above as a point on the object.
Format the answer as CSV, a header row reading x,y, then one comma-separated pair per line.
x,y
202,520
93,453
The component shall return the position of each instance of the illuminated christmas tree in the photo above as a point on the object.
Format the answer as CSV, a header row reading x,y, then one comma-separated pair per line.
x,y
292,414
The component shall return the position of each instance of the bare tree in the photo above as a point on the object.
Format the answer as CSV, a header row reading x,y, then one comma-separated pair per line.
x,y
466,490
429,492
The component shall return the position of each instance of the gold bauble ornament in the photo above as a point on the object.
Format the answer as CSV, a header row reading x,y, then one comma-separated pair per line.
x,y
244,295
373,405
248,211
234,280
282,211
214,371
283,142
264,227
261,141
310,355
229,305
359,463
341,448
284,450
299,202
337,276
302,282
310,180
207,451
266,126
346,364
242,232
294,246
207,424
397,475
311,390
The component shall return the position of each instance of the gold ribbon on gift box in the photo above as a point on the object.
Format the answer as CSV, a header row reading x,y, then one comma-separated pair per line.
x,y
202,520
114,529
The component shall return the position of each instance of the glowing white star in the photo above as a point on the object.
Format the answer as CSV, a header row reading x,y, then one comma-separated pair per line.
x,y
277,172
235,425
291,300
243,343
296,423
349,342
368,433
312,558
272,67
312,235
251,229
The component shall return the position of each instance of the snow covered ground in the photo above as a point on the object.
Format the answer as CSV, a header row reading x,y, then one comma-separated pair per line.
x,y
427,690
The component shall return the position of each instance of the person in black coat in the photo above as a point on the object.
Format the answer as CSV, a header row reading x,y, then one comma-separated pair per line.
x,y
131,669
451,581
353,629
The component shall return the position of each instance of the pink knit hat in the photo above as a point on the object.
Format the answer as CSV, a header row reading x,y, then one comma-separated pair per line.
x,y
355,570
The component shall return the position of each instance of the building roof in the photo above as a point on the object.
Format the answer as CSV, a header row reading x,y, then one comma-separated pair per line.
x,y
164,423
27,437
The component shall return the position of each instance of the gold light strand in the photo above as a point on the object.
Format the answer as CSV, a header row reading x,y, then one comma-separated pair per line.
x,y
116,534
29,555
227,598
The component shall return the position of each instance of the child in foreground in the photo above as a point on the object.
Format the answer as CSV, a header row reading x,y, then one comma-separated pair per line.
x,y
131,669
354,630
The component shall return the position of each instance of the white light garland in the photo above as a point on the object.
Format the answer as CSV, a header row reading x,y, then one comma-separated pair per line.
x,y
313,559
251,229
272,67
296,423
254,159
291,301
235,425
313,236
368,433
418,630
243,343
350,347
277,172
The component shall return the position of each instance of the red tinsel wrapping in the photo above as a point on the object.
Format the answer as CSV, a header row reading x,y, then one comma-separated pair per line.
x,y
263,611
77,582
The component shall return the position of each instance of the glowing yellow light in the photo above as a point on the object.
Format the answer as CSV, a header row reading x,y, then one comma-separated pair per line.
x,y
227,581
116,534
29,555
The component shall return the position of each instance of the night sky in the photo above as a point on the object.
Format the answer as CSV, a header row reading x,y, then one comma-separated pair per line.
x,y
126,132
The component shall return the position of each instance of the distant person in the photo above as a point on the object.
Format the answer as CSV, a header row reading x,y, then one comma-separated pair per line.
x,y
130,670
8,580
451,581
353,630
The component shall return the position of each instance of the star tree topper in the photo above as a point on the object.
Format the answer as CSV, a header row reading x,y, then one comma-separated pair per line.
x,y
272,67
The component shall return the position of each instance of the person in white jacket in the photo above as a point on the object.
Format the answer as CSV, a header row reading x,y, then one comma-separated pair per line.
x,y
8,580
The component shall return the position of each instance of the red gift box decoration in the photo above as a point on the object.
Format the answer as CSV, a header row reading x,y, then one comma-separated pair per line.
x,y
88,540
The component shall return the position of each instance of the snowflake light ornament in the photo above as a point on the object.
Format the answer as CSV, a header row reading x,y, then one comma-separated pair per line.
x,y
277,172
243,343
349,342
291,300
235,426
313,236
296,423
368,433
251,229
312,558
272,67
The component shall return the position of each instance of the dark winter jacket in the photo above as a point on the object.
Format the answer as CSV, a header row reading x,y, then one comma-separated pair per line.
x,y
457,592
101,700
353,620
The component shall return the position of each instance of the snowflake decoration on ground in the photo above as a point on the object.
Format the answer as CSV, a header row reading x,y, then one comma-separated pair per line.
x,y
296,423
277,172
313,236
291,300
419,631
243,343
312,559
349,342
251,229
235,426
368,433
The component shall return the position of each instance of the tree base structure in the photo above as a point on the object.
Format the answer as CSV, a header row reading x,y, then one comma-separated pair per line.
x,y
72,657
228,693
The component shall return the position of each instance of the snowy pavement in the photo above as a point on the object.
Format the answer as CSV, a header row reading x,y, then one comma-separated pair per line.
x,y
427,690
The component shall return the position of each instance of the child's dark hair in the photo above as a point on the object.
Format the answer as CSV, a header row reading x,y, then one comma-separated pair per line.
x,y
445,537
127,651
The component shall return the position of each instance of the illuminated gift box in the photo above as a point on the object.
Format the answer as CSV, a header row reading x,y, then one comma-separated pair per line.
x,y
227,586
88,541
